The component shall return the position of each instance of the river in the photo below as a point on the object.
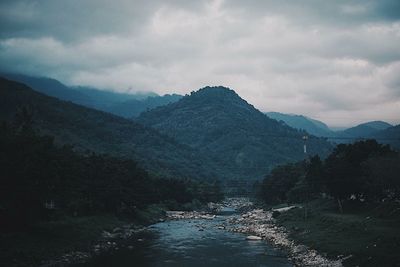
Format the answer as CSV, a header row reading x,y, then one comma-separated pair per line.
x,y
192,242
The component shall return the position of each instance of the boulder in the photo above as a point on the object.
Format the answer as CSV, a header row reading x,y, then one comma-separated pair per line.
x,y
253,237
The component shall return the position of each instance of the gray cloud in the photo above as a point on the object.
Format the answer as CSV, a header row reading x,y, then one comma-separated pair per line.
x,y
334,60
340,13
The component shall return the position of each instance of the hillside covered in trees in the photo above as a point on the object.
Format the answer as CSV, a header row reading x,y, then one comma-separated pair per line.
x,y
89,129
54,200
40,180
242,140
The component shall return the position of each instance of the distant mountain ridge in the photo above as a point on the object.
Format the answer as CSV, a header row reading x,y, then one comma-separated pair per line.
x,y
380,130
133,107
216,121
312,126
365,129
50,87
390,135
121,104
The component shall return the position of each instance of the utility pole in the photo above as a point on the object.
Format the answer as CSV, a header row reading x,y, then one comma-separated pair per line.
x,y
305,138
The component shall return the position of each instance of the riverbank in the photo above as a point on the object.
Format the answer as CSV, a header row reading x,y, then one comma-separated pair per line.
x,y
46,241
71,240
362,235
259,224
324,238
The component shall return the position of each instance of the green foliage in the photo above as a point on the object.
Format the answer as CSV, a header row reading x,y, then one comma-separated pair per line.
x,y
34,172
89,129
300,192
382,177
363,171
314,176
244,142
369,233
343,167
282,179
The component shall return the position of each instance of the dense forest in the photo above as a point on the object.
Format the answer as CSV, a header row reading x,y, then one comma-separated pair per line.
x,y
243,141
365,171
41,181
89,129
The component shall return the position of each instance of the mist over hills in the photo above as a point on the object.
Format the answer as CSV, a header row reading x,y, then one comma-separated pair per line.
x,y
211,133
102,132
216,121
50,87
217,134
121,104
133,107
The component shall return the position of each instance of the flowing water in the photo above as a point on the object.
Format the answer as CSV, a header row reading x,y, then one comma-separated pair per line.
x,y
193,243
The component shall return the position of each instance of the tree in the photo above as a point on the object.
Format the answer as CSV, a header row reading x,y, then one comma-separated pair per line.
x,y
314,177
277,184
382,178
343,168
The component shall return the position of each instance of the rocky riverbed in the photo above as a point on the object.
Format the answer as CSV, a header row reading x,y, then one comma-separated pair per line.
x,y
109,240
258,224
255,225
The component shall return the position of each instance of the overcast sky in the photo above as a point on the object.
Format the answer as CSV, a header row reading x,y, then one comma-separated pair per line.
x,y
337,61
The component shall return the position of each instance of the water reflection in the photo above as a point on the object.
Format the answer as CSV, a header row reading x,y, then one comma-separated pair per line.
x,y
193,243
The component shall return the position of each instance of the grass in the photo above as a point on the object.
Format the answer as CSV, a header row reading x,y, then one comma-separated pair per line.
x,y
48,240
370,234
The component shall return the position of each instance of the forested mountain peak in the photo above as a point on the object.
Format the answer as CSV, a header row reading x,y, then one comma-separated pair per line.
x,y
214,92
218,122
217,94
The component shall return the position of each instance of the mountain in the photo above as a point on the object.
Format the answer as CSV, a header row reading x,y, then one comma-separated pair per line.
x,y
378,125
318,128
390,135
242,140
50,87
314,127
121,104
102,132
368,130
102,99
132,108
365,129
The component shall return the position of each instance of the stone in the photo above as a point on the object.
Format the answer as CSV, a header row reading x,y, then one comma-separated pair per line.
x,y
253,237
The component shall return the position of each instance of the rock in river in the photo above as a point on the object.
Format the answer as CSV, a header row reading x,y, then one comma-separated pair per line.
x,y
253,237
